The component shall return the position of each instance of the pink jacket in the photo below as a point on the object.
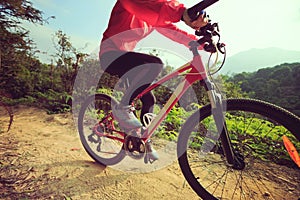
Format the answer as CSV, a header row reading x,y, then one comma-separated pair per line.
x,y
132,20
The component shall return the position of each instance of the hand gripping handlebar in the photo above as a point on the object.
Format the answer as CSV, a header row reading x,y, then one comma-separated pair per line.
x,y
197,9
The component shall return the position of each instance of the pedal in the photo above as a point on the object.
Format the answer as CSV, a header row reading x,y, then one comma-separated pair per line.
x,y
151,154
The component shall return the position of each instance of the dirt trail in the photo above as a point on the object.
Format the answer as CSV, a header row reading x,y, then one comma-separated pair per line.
x,y
50,163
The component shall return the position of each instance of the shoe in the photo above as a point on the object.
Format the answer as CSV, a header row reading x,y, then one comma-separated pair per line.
x,y
126,118
151,153
148,118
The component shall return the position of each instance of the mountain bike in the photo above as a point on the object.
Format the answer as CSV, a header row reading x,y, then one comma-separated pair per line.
x,y
227,149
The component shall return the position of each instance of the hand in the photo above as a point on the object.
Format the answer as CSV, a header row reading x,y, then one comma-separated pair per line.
x,y
201,21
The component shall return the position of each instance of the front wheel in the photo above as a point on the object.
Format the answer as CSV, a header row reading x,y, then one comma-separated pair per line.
x,y
255,130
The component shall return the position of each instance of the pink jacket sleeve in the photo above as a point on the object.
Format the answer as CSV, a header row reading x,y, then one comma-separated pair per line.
x,y
161,14
155,12
174,33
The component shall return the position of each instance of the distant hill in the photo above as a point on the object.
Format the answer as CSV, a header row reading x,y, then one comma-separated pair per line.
x,y
254,59
278,85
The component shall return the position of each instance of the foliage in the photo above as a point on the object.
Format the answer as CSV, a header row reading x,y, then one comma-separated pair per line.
x,y
15,45
251,135
231,89
170,127
20,71
163,93
261,139
278,85
54,102
12,11
67,59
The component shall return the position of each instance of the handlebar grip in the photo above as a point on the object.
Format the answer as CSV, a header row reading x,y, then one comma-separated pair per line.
x,y
197,9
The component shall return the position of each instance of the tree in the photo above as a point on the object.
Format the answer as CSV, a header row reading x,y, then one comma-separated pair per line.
x,y
67,59
278,85
15,45
13,36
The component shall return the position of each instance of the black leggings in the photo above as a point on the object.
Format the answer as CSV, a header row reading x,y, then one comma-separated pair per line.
x,y
140,70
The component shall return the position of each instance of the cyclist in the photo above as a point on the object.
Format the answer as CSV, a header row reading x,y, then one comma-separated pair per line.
x,y
131,21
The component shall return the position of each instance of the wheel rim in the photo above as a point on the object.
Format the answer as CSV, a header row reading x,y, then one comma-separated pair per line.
x,y
259,178
103,149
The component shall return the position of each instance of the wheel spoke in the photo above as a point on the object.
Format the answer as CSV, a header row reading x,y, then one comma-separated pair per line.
x,y
256,136
94,129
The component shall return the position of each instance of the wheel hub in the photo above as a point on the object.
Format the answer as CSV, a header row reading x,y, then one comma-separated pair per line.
x,y
239,161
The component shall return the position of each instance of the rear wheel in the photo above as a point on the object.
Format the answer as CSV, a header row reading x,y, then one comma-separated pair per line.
x,y
256,129
97,127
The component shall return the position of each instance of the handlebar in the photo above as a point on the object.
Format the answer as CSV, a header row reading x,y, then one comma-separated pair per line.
x,y
198,9
206,32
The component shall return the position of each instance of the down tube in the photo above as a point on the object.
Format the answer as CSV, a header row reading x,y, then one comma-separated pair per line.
x,y
177,94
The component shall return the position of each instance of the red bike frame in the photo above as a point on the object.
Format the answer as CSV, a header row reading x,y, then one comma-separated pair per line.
x,y
193,71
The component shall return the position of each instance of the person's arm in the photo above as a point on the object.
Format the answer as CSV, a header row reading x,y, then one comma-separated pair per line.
x,y
156,13
174,33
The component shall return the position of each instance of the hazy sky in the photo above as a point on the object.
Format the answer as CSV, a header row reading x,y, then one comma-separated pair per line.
x,y
244,24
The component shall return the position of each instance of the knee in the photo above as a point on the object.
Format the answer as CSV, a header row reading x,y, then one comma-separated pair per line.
x,y
156,60
157,63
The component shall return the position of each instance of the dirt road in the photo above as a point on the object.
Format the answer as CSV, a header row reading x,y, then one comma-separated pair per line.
x,y
42,158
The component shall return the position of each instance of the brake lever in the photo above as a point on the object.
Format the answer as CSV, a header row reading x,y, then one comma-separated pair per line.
x,y
220,47
206,33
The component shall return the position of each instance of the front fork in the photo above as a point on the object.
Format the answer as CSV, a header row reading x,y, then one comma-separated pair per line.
x,y
217,111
